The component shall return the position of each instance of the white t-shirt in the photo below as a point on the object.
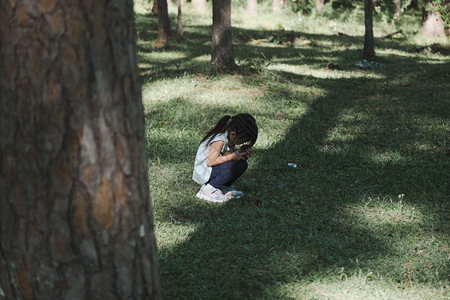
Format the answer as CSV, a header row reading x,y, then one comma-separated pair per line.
x,y
202,171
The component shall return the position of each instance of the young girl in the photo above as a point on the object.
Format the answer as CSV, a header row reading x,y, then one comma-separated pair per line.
x,y
222,157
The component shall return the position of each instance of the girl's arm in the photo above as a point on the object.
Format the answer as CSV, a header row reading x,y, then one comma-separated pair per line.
x,y
214,158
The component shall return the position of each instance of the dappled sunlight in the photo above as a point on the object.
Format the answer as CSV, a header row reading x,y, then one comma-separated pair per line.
x,y
200,90
169,235
165,90
323,73
163,56
379,211
202,58
341,133
390,156
356,285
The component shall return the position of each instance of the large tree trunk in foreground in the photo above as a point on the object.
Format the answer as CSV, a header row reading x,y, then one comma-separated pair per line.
x,y
369,46
432,23
75,219
222,55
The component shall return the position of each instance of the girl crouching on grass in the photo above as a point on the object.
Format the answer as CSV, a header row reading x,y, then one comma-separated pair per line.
x,y
222,157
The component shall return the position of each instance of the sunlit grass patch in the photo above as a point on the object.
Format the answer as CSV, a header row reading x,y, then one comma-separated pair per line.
x,y
322,73
226,91
362,285
169,235
379,211
202,58
164,56
388,157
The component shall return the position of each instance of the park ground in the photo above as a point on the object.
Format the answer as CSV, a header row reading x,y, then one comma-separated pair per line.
x,y
347,191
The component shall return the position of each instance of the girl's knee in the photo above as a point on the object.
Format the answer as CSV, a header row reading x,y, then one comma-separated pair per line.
x,y
239,165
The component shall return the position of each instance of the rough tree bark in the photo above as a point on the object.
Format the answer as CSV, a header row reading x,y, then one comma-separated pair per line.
x,y
222,55
369,47
75,212
164,32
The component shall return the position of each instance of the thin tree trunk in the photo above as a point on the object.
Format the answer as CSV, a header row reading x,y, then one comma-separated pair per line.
x,y
398,8
163,24
432,23
75,212
414,4
319,5
305,9
199,6
369,47
277,5
179,21
252,7
222,56
155,7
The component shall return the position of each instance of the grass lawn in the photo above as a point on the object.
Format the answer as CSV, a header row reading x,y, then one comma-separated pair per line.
x,y
364,215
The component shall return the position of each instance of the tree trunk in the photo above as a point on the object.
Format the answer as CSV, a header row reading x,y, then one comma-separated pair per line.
x,y
319,5
179,21
432,24
163,24
222,56
75,212
369,47
398,8
199,6
252,7
414,5
155,7
277,5
305,9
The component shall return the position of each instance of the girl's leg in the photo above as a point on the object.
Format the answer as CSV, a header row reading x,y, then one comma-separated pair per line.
x,y
227,173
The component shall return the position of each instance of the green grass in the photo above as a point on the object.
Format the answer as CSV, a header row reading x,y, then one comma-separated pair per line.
x,y
365,215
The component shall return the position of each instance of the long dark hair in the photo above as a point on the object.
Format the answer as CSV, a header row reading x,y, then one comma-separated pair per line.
x,y
243,124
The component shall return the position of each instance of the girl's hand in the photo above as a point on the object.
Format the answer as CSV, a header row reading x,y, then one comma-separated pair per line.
x,y
246,153
239,155
249,151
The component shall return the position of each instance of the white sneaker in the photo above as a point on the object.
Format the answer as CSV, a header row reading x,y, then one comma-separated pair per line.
x,y
209,193
231,193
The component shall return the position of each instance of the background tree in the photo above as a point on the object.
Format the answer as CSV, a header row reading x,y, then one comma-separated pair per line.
x,y
277,4
179,21
75,213
164,31
369,47
319,5
222,55
252,7
199,6
155,7
398,8
432,23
